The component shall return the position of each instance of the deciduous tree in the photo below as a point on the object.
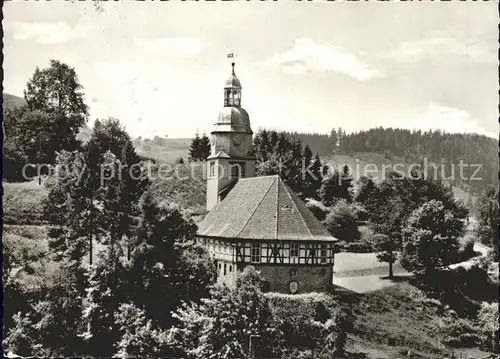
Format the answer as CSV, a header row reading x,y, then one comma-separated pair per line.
x,y
430,238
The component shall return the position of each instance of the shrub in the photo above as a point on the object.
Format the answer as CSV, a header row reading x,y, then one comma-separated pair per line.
x,y
488,321
466,250
357,247
342,222
317,208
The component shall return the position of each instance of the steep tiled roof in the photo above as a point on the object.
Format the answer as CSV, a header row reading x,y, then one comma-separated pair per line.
x,y
263,208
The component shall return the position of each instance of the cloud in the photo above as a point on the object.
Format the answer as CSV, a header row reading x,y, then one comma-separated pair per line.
x,y
49,32
449,119
443,47
116,71
306,55
171,46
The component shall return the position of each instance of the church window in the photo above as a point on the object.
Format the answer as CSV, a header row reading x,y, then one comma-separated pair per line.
x,y
225,267
212,168
230,269
323,253
237,169
255,253
294,250
293,272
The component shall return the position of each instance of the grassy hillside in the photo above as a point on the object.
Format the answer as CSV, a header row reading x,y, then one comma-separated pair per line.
x,y
389,322
401,318
22,202
163,150
12,101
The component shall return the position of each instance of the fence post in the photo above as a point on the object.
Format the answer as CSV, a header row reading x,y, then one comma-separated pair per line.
x,y
253,346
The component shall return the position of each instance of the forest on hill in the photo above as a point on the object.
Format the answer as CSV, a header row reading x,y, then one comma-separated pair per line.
x,y
478,153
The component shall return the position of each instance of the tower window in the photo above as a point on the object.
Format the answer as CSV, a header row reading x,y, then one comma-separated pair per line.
x,y
255,253
212,168
225,266
237,169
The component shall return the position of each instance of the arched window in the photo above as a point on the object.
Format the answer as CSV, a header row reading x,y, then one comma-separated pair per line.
x,y
225,266
230,269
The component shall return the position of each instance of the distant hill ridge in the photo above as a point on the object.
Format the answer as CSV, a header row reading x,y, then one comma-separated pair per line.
x,y
389,144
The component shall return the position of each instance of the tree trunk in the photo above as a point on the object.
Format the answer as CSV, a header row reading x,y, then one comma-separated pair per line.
x,y
391,262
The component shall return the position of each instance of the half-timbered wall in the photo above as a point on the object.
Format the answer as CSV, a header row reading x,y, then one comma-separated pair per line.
x,y
280,252
308,264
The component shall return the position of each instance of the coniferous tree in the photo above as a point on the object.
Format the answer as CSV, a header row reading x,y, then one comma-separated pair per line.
x,y
334,139
204,150
365,188
313,179
488,211
72,209
346,184
107,290
194,149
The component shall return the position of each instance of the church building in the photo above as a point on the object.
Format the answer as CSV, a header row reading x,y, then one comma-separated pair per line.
x,y
258,221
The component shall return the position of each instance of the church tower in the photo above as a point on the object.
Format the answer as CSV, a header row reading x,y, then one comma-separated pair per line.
x,y
231,145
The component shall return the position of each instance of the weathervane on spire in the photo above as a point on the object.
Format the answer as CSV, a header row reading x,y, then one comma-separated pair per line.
x,y
232,55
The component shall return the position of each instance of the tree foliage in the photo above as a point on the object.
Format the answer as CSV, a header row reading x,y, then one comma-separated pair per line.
x,y
285,155
337,186
392,201
57,92
220,327
200,148
386,248
487,205
342,222
430,238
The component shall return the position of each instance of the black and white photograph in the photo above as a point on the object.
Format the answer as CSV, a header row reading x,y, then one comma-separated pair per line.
x,y
250,179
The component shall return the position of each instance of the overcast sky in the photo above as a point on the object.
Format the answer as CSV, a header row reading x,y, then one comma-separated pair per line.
x,y
160,67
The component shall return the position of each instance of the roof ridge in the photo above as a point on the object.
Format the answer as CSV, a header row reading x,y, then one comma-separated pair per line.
x,y
253,212
257,177
297,209
277,210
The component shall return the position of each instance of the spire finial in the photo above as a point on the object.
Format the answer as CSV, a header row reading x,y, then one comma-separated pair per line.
x,y
232,64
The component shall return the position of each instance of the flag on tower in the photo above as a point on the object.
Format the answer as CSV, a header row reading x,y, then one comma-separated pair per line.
x,y
230,56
